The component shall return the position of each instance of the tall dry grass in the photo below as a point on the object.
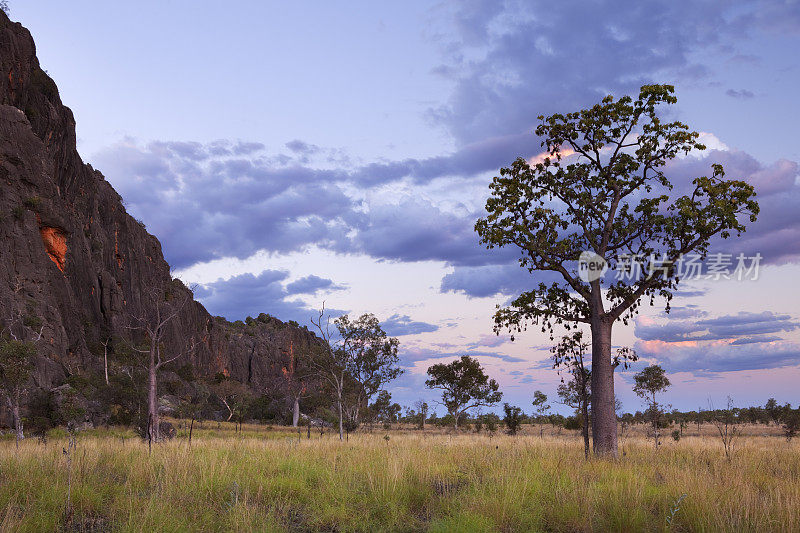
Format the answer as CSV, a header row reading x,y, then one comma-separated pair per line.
x,y
274,481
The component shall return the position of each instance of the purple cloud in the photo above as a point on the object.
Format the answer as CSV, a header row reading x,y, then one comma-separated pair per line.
x,y
312,285
249,295
399,325
724,327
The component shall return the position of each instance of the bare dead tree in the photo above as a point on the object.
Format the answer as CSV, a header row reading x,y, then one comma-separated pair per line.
x,y
161,308
295,379
727,429
105,356
330,363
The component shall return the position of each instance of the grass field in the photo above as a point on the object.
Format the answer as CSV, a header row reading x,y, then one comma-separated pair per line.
x,y
269,480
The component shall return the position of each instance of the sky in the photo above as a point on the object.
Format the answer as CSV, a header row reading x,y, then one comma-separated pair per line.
x,y
288,154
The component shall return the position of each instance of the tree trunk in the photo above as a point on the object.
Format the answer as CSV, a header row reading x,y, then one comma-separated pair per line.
x,y
656,416
296,413
585,415
17,418
604,418
341,425
152,397
455,424
105,360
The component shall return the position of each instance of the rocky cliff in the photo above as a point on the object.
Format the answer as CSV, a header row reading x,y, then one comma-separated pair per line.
x,y
74,265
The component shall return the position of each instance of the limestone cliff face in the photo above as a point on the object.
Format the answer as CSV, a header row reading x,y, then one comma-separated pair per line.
x,y
73,263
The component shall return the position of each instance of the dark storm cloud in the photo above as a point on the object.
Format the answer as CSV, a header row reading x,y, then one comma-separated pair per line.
x,y
399,325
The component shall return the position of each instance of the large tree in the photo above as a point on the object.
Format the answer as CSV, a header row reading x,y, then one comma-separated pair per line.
x,y
372,358
464,386
601,188
358,358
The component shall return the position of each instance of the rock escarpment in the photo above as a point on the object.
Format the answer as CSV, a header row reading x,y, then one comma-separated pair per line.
x,y
74,265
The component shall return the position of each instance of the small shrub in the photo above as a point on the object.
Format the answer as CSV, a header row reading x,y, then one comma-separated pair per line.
x,y
32,203
573,422
676,435
512,419
186,372
791,425
32,321
79,383
490,421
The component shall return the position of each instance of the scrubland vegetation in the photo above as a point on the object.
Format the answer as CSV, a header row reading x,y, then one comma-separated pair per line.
x,y
267,479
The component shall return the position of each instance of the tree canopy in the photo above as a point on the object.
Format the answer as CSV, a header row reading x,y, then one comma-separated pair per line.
x,y
464,385
601,187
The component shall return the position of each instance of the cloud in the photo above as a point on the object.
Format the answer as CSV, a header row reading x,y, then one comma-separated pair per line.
x,y
206,202
489,341
412,355
397,326
312,285
742,94
755,340
490,280
720,356
249,295
508,64
205,206
724,327
512,61
689,311
302,147
744,341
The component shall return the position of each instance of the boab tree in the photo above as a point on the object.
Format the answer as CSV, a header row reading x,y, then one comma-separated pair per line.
x,y
568,355
464,386
601,188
